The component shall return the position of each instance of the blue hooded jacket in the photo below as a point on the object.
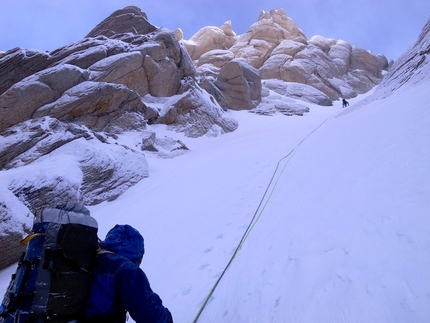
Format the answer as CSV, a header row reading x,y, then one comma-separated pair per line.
x,y
120,285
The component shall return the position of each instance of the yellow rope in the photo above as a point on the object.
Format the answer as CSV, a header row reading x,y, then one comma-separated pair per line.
x,y
256,218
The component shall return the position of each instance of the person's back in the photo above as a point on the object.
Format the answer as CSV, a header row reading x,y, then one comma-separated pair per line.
x,y
119,284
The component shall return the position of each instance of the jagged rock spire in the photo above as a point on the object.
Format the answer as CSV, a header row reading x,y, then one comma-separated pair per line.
x,y
128,20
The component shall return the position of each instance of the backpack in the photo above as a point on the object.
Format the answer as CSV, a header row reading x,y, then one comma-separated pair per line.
x,y
53,279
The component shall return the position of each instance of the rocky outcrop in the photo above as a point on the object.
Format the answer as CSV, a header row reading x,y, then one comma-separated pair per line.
x,y
289,98
298,91
16,64
87,166
190,113
126,69
94,104
61,112
128,20
411,68
216,57
240,84
210,38
15,223
258,42
335,68
96,81
280,50
207,84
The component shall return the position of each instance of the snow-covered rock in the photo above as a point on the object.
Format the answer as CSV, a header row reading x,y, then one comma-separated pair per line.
x,y
195,113
81,167
17,64
15,223
411,68
274,103
162,147
22,100
298,91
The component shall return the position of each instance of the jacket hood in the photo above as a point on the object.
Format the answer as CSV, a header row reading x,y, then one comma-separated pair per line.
x,y
125,241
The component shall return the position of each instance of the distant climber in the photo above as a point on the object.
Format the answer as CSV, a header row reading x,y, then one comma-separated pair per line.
x,y
344,103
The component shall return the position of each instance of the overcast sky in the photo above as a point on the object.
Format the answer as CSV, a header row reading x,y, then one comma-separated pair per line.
x,y
386,27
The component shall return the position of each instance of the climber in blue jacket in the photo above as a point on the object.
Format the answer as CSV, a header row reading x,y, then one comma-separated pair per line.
x,y
120,286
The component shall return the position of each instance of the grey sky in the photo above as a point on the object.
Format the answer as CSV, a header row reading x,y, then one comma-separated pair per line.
x,y
386,27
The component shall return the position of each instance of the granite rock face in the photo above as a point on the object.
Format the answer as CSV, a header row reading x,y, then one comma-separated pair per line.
x,y
278,49
210,38
128,20
240,84
121,60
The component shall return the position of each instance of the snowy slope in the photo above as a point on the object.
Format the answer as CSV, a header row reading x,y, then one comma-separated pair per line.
x,y
341,236
344,236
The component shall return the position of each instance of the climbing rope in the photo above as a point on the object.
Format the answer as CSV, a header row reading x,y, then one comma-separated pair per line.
x,y
257,215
